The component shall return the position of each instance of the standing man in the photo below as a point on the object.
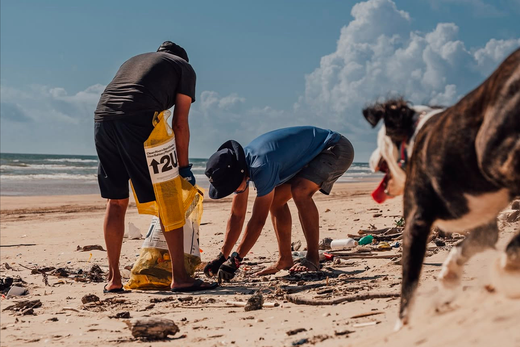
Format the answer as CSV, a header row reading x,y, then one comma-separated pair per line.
x,y
144,84
283,164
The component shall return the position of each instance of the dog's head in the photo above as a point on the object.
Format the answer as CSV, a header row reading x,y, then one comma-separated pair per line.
x,y
397,115
399,119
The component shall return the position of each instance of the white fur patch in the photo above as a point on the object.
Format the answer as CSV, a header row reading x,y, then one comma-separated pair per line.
x,y
482,210
387,150
451,271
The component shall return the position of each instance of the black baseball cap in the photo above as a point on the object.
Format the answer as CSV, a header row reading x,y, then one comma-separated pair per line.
x,y
173,48
226,169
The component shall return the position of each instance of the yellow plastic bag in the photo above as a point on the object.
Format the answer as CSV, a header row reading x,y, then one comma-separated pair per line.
x,y
152,269
173,194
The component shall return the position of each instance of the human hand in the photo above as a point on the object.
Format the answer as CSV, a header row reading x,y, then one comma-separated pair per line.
x,y
186,173
211,269
228,269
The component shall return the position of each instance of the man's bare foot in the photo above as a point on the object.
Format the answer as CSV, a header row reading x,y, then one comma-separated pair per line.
x,y
278,266
304,266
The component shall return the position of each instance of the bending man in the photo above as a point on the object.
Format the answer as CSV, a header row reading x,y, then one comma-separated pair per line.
x,y
291,163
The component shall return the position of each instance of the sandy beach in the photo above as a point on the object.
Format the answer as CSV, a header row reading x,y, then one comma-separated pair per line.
x,y
45,231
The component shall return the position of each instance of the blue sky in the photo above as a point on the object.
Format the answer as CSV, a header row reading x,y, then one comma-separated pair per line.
x,y
260,65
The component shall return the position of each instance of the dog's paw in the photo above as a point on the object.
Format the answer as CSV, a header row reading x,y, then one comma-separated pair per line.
x,y
401,322
451,273
506,276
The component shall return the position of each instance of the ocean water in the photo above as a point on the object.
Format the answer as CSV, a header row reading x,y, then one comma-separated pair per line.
x,y
46,174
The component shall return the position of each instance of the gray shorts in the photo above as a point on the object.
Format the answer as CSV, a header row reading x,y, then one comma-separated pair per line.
x,y
329,165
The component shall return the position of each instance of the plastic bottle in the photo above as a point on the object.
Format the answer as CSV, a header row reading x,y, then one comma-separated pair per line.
x,y
343,243
366,240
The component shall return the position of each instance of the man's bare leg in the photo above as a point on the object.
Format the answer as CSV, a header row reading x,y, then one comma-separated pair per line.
x,y
282,222
114,229
175,241
302,192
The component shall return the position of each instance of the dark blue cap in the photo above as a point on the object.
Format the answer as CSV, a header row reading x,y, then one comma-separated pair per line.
x,y
226,169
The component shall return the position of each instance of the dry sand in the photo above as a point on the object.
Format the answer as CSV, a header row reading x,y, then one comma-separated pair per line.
x,y
45,231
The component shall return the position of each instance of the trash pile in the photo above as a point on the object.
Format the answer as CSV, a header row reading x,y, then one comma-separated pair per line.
x,y
373,243
152,269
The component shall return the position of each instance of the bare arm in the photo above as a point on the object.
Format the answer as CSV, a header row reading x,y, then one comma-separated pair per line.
x,y
256,223
235,222
181,127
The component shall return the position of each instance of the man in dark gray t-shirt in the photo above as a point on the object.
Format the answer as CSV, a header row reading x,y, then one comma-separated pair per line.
x,y
144,84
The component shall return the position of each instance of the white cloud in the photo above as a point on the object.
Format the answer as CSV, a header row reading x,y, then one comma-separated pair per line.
x,y
494,52
375,58
43,119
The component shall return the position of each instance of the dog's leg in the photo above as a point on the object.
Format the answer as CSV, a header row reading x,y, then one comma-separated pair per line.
x,y
478,240
507,271
416,233
512,256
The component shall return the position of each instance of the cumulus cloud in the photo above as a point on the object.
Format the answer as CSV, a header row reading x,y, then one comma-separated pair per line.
x,y
376,58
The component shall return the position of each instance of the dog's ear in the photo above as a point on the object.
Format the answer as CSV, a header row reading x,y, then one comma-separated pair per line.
x,y
373,114
398,119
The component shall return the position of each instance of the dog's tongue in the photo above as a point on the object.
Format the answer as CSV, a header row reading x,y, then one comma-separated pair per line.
x,y
379,194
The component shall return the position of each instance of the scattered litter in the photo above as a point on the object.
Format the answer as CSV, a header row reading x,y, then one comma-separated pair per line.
x,y
383,246
343,244
90,248
300,342
366,240
132,232
295,246
325,243
16,291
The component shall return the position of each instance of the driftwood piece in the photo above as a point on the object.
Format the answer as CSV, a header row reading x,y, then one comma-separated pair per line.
x,y
373,232
368,314
365,256
24,305
388,237
296,289
367,296
244,303
152,328
367,324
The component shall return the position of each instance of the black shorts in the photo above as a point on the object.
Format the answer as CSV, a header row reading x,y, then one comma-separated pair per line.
x,y
120,149
329,165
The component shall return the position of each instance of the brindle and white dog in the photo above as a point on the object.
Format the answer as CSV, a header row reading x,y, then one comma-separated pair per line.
x,y
457,167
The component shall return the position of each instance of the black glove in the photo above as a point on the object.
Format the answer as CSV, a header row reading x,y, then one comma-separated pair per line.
x,y
185,172
211,268
228,269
